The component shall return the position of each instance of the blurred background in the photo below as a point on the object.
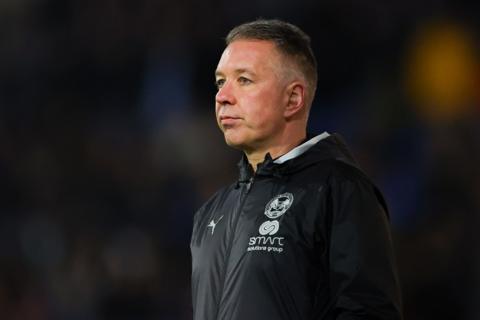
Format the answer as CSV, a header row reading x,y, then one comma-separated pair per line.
x,y
108,144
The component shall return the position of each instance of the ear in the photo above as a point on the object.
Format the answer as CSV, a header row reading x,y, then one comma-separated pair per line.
x,y
295,99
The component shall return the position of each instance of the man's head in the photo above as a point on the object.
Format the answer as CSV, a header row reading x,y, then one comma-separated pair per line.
x,y
289,40
266,81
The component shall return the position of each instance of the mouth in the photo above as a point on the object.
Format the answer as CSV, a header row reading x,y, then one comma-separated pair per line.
x,y
228,120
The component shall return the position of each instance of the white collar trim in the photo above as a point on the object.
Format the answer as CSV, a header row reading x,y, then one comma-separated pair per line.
x,y
295,152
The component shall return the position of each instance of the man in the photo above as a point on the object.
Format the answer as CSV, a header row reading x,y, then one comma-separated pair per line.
x,y
303,233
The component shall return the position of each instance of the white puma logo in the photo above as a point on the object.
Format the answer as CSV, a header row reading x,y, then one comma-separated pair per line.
x,y
213,224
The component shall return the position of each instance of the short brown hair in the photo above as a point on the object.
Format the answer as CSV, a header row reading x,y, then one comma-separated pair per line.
x,y
288,38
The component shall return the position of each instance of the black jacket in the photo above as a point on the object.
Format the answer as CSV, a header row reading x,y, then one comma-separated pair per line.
x,y
307,239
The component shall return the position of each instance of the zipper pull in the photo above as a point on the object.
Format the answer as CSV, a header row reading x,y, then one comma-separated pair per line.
x,y
249,184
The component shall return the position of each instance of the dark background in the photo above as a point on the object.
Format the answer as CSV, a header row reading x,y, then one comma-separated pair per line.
x,y
108,144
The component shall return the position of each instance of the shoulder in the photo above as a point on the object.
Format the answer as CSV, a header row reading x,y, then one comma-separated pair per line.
x,y
341,171
344,178
333,171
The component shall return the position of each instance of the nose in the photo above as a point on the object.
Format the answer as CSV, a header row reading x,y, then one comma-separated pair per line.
x,y
225,95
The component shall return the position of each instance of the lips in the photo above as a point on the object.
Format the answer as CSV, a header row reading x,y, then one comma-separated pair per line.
x,y
228,120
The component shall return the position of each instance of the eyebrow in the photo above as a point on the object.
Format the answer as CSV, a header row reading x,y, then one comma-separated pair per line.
x,y
237,71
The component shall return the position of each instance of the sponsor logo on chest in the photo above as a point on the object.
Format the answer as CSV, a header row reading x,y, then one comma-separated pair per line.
x,y
266,240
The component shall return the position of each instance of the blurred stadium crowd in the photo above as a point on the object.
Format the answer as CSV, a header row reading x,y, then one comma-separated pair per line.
x,y
108,144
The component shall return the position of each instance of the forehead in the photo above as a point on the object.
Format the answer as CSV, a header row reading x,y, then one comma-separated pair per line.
x,y
248,55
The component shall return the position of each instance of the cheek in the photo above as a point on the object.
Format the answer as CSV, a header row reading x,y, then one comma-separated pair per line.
x,y
264,110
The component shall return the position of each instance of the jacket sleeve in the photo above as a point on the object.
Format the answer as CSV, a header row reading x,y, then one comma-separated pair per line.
x,y
362,272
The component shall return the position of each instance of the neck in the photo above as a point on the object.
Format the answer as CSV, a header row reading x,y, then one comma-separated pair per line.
x,y
276,149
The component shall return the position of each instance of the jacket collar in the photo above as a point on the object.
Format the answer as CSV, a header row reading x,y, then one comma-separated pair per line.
x,y
273,166
295,152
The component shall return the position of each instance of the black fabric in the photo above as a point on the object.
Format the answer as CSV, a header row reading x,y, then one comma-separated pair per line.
x,y
327,256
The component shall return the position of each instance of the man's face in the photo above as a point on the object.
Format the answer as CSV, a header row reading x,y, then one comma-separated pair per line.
x,y
251,95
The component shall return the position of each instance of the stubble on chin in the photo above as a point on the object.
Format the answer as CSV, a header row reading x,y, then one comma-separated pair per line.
x,y
232,140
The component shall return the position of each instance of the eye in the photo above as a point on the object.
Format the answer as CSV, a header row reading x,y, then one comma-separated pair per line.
x,y
243,80
219,83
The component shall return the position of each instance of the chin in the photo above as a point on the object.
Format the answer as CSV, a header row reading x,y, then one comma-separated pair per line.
x,y
234,144
235,141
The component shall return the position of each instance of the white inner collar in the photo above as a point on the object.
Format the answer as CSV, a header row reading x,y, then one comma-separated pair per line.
x,y
295,152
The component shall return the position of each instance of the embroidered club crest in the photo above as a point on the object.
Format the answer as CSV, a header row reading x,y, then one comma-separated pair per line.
x,y
278,205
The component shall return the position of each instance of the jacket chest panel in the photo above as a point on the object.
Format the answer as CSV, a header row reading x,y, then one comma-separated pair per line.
x,y
276,224
210,244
